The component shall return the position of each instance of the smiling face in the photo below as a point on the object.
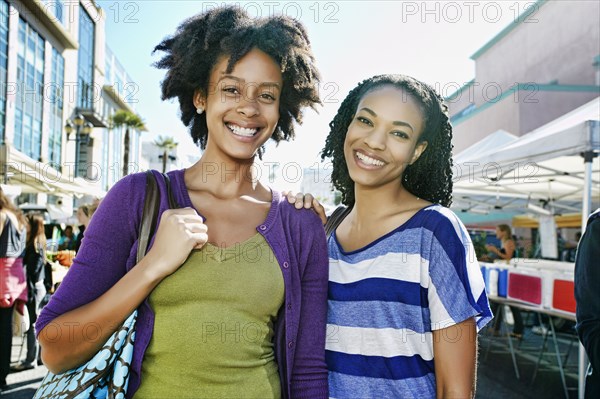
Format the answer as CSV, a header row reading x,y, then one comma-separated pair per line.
x,y
242,107
382,137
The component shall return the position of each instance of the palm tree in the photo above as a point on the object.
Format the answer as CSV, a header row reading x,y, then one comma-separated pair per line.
x,y
167,144
131,121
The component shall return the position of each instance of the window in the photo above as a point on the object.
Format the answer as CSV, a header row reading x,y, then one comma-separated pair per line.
x,y
3,63
29,98
133,149
108,57
105,168
85,70
117,134
56,90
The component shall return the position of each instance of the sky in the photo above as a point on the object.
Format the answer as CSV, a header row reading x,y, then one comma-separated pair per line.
x,y
351,40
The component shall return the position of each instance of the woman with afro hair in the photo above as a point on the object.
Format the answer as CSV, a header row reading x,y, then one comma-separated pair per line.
x,y
406,296
232,294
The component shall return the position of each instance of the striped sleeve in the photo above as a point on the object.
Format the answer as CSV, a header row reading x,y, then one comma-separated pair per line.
x,y
456,288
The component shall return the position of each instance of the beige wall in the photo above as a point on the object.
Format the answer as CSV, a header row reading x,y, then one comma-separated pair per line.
x,y
550,106
518,113
560,45
502,115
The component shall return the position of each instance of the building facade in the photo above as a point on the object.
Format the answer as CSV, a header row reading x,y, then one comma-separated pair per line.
x,y
543,65
54,66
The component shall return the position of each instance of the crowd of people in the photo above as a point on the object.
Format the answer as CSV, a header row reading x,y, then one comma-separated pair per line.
x,y
26,276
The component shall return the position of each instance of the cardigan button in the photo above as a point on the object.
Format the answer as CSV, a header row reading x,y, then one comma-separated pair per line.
x,y
289,306
263,227
286,265
290,344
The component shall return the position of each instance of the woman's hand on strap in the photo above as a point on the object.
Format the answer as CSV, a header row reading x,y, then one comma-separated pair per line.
x,y
179,232
307,201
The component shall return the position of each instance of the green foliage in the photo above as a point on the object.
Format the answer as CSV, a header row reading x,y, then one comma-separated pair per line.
x,y
479,242
127,119
337,199
166,143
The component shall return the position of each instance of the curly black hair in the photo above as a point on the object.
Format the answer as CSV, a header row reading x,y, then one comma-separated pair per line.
x,y
430,177
195,48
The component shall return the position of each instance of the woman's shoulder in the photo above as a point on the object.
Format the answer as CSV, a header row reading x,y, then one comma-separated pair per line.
x,y
435,214
132,186
8,217
297,217
439,219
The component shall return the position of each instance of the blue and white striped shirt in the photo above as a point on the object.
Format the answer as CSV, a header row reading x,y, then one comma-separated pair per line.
x,y
386,299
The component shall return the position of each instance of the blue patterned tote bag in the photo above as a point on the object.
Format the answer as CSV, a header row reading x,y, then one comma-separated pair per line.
x,y
106,375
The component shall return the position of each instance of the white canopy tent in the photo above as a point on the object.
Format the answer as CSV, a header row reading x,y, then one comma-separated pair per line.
x,y
489,143
542,168
555,166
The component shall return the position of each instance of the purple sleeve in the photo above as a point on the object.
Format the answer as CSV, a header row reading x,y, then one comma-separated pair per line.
x,y
106,252
309,376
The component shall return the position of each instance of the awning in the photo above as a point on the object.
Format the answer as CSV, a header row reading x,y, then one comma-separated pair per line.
x,y
568,220
38,177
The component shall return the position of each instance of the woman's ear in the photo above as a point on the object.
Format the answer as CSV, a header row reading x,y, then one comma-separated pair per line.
x,y
419,149
199,99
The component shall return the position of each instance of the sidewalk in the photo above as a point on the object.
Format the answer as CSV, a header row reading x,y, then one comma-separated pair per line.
x,y
22,385
495,375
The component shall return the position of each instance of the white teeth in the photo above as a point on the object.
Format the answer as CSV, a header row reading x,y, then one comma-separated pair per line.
x,y
242,131
369,160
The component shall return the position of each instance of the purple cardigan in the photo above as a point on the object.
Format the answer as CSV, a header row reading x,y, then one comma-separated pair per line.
x,y
296,237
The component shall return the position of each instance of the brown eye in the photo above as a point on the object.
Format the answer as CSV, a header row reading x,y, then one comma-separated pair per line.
x,y
400,134
268,96
364,120
231,90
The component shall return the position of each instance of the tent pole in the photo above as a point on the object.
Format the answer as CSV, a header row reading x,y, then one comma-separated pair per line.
x,y
588,157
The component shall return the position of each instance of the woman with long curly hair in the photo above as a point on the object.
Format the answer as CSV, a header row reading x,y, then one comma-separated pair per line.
x,y
406,296
231,296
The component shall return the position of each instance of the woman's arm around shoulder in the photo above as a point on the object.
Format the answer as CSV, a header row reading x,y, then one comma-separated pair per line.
x,y
309,374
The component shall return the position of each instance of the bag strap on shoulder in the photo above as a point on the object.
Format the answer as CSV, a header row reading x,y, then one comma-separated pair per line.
x,y
336,218
150,211
172,203
149,214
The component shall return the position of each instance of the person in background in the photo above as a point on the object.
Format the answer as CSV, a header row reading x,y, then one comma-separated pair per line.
x,y
587,297
35,262
84,216
570,248
506,252
67,240
13,283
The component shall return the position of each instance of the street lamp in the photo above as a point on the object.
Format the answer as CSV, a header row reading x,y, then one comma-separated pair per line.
x,y
82,135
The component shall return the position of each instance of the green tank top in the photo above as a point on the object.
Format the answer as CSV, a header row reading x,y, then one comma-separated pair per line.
x,y
214,323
